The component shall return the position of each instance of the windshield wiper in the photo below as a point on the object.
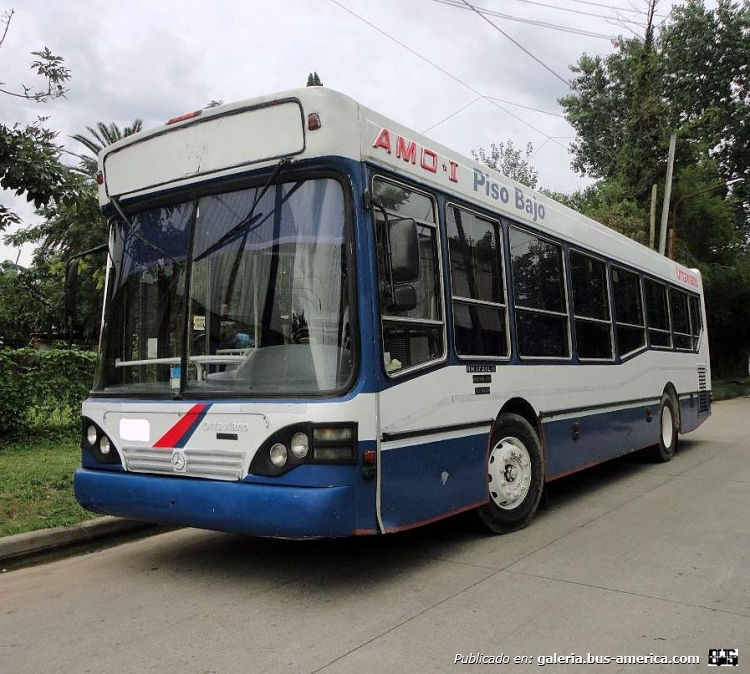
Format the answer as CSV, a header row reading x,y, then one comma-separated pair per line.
x,y
250,219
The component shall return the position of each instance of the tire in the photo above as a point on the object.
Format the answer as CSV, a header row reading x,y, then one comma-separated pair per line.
x,y
515,472
669,426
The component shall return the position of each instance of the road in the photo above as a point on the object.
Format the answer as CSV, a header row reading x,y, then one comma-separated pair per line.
x,y
629,559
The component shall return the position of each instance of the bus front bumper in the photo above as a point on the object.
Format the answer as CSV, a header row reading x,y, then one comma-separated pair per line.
x,y
237,507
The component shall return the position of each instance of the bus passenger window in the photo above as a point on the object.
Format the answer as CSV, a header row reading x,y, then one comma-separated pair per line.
x,y
591,307
678,307
479,306
657,314
631,333
539,294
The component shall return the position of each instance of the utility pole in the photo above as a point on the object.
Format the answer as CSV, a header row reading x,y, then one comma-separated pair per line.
x,y
667,195
652,219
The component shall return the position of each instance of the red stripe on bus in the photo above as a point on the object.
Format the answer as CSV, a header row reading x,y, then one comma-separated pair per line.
x,y
173,435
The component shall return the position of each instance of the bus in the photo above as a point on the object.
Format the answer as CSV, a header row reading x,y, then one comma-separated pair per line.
x,y
318,323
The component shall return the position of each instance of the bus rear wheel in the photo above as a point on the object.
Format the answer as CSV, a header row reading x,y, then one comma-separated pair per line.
x,y
515,475
668,429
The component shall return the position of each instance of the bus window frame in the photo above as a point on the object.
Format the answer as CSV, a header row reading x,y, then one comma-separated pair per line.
x,y
689,335
644,326
665,286
572,249
379,175
496,220
512,224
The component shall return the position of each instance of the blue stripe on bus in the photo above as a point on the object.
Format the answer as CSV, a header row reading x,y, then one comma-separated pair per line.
x,y
601,437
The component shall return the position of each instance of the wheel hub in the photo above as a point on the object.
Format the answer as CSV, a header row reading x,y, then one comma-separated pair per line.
x,y
509,473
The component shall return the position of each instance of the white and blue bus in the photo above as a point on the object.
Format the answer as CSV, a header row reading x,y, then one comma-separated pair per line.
x,y
320,323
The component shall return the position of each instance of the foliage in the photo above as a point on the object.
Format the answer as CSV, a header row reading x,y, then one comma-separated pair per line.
x,y
509,161
688,76
100,137
71,224
30,165
608,203
727,295
724,389
29,157
30,301
42,388
313,80
704,57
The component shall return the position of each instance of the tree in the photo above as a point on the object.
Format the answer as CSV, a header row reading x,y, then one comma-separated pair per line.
x,y
313,80
705,55
509,161
30,301
29,157
102,135
689,76
73,225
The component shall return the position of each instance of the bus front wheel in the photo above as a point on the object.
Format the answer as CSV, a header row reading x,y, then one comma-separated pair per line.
x,y
515,475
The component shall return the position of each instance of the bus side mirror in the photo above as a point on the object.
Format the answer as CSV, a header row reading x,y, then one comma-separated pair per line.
x,y
404,250
404,298
71,287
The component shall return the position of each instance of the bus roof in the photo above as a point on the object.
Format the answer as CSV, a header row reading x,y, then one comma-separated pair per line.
x,y
318,122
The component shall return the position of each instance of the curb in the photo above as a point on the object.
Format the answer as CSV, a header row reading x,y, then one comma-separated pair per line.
x,y
44,540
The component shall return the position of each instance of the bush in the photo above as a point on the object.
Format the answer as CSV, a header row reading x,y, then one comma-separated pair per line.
x,y
42,388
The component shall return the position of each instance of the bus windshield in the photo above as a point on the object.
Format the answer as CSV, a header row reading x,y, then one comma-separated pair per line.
x,y
237,292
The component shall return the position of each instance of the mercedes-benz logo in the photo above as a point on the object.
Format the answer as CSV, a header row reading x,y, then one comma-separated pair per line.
x,y
179,461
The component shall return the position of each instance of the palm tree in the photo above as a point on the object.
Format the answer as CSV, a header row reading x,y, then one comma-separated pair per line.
x,y
100,137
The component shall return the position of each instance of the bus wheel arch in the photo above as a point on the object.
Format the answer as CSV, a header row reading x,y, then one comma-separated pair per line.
x,y
515,473
671,391
668,420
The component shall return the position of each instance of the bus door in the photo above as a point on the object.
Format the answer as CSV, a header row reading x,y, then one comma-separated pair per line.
x,y
429,467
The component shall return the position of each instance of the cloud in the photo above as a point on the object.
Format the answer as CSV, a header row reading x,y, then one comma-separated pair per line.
x,y
154,60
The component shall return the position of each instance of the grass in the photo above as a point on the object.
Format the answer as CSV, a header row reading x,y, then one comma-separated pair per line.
x,y
36,483
724,389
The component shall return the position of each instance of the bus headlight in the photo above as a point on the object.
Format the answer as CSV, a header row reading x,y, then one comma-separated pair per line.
x,y
96,443
278,455
303,444
300,445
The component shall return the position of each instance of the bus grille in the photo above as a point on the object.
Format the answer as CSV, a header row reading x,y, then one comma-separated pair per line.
x,y
211,464
703,394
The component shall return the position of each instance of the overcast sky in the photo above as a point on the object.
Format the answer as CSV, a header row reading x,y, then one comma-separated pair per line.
x,y
417,61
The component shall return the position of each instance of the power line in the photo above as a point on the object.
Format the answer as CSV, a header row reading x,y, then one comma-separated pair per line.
x,y
606,6
518,44
453,114
526,107
564,9
445,72
458,4
490,99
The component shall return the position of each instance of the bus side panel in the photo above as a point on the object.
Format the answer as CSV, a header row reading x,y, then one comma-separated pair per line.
x,y
694,410
576,443
425,482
